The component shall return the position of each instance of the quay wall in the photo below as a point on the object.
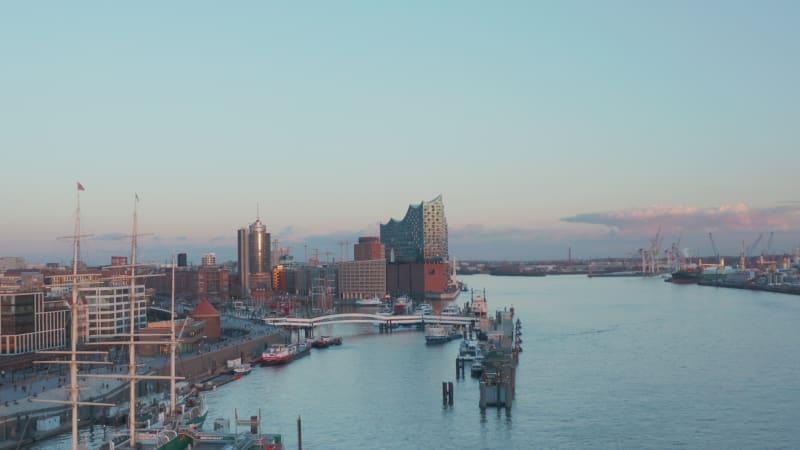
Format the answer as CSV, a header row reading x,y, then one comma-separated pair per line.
x,y
213,362
21,429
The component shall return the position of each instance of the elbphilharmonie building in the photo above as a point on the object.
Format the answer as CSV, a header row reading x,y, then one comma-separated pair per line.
x,y
420,237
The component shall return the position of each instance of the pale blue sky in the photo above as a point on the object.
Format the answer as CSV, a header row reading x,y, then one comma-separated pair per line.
x,y
334,116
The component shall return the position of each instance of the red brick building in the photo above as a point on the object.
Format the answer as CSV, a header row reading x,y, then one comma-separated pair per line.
x,y
417,279
206,312
203,282
369,248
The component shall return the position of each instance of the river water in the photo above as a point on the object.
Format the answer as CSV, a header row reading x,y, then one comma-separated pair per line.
x,y
607,363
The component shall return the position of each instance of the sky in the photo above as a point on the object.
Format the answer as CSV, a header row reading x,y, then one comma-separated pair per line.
x,y
546,126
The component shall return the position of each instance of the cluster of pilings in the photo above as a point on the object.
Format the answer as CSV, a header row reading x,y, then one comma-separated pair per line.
x,y
498,388
447,393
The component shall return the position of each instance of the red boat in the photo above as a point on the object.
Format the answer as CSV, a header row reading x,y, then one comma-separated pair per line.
x,y
281,354
327,341
276,354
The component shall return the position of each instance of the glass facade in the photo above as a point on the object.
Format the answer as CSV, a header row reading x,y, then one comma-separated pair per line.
x,y
420,237
28,323
259,248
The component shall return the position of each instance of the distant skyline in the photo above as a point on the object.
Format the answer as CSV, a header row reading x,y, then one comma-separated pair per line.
x,y
545,126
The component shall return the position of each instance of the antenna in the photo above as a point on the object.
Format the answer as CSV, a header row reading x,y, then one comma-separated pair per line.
x,y
258,213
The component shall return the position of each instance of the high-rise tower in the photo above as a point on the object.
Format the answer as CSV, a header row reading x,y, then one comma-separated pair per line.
x,y
254,255
244,262
259,248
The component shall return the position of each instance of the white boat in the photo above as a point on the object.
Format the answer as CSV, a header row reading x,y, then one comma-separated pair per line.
x,y
469,350
242,369
437,333
451,310
374,301
424,309
386,311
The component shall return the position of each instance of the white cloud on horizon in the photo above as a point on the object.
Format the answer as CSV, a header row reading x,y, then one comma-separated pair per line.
x,y
733,218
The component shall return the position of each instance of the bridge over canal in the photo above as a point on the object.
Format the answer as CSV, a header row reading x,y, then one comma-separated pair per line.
x,y
389,321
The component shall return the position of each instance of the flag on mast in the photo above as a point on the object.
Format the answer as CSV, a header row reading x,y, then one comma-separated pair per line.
x,y
137,196
80,187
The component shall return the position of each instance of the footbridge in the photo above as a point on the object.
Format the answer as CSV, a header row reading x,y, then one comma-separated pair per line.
x,y
313,322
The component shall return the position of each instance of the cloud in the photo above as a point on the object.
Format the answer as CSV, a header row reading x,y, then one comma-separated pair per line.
x,y
680,218
182,238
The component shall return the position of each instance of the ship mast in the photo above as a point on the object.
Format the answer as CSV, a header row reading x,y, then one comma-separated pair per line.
x,y
132,346
172,346
73,362
132,376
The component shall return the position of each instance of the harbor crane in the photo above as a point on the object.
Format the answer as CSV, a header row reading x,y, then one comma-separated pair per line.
x,y
748,250
674,254
651,254
754,245
765,252
713,246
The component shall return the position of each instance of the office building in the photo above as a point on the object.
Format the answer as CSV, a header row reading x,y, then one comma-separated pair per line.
x,y
369,248
362,278
28,323
108,309
209,260
255,257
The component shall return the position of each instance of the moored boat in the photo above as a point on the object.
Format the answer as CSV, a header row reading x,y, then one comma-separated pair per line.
x,y
424,308
401,306
327,341
374,301
478,306
276,354
437,333
242,369
451,310
476,369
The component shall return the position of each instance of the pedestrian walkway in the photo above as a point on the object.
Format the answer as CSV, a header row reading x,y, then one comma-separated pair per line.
x,y
18,397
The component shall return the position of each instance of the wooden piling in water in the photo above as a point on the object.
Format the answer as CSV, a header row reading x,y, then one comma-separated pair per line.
x,y
299,433
450,393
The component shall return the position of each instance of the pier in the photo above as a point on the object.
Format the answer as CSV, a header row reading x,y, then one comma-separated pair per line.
x,y
501,349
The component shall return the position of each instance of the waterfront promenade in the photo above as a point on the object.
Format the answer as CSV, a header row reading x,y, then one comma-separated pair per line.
x,y
19,412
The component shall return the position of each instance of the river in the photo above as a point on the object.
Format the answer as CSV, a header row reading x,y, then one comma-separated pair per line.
x,y
607,363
